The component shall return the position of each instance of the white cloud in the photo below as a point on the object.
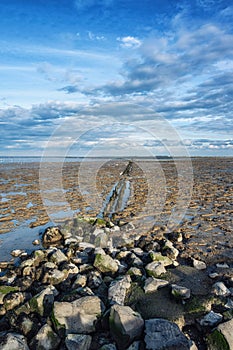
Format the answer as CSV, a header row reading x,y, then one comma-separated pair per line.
x,y
129,42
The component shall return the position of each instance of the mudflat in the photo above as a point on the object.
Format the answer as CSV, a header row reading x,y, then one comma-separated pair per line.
x,y
206,224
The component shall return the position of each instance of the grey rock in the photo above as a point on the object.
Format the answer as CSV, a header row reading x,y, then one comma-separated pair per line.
x,y
155,268
78,341
134,346
13,341
226,330
164,335
12,300
180,292
54,277
126,325
222,266
42,302
58,257
199,265
211,319
229,304
152,284
108,347
220,289
104,263
118,289
45,339
78,316
80,281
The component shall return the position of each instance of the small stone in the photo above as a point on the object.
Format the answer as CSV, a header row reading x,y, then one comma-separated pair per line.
x,y
36,242
54,277
220,289
199,265
180,292
12,300
108,347
80,281
211,319
229,304
78,341
125,325
134,346
17,252
153,284
155,269
42,302
118,290
222,266
213,275
162,334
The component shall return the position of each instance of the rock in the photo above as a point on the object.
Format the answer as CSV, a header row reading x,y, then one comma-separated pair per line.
x,y
58,257
180,292
155,269
12,300
108,347
213,275
54,277
104,263
78,341
42,303
220,289
36,242
222,337
164,335
222,266
17,252
52,235
226,330
155,256
152,284
126,325
13,341
79,316
80,281
45,339
199,265
170,250
118,290
134,346
229,304
211,319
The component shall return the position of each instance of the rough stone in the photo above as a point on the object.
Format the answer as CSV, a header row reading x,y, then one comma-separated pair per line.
x,y
220,289
78,316
104,263
180,292
126,325
152,284
155,269
58,257
45,339
42,302
78,341
118,289
199,265
52,235
211,319
12,341
155,256
164,335
226,330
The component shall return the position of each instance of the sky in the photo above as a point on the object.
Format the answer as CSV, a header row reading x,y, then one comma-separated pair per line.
x,y
84,77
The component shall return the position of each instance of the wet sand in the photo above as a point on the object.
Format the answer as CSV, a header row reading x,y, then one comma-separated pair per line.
x,y
206,226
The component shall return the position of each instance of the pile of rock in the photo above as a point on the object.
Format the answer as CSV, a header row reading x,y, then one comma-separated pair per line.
x,y
80,295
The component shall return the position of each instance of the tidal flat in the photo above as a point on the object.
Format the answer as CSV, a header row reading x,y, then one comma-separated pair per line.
x,y
204,220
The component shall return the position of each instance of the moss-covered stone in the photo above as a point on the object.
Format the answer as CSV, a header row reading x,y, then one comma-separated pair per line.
x,y
8,289
217,341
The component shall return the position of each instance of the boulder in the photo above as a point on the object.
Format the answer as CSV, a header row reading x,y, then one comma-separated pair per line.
x,y
220,289
78,341
57,257
211,319
126,325
165,260
164,335
42,302
180,292
221,337
78,316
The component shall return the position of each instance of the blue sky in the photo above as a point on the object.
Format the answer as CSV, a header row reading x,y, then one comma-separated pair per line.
x,y
75,67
